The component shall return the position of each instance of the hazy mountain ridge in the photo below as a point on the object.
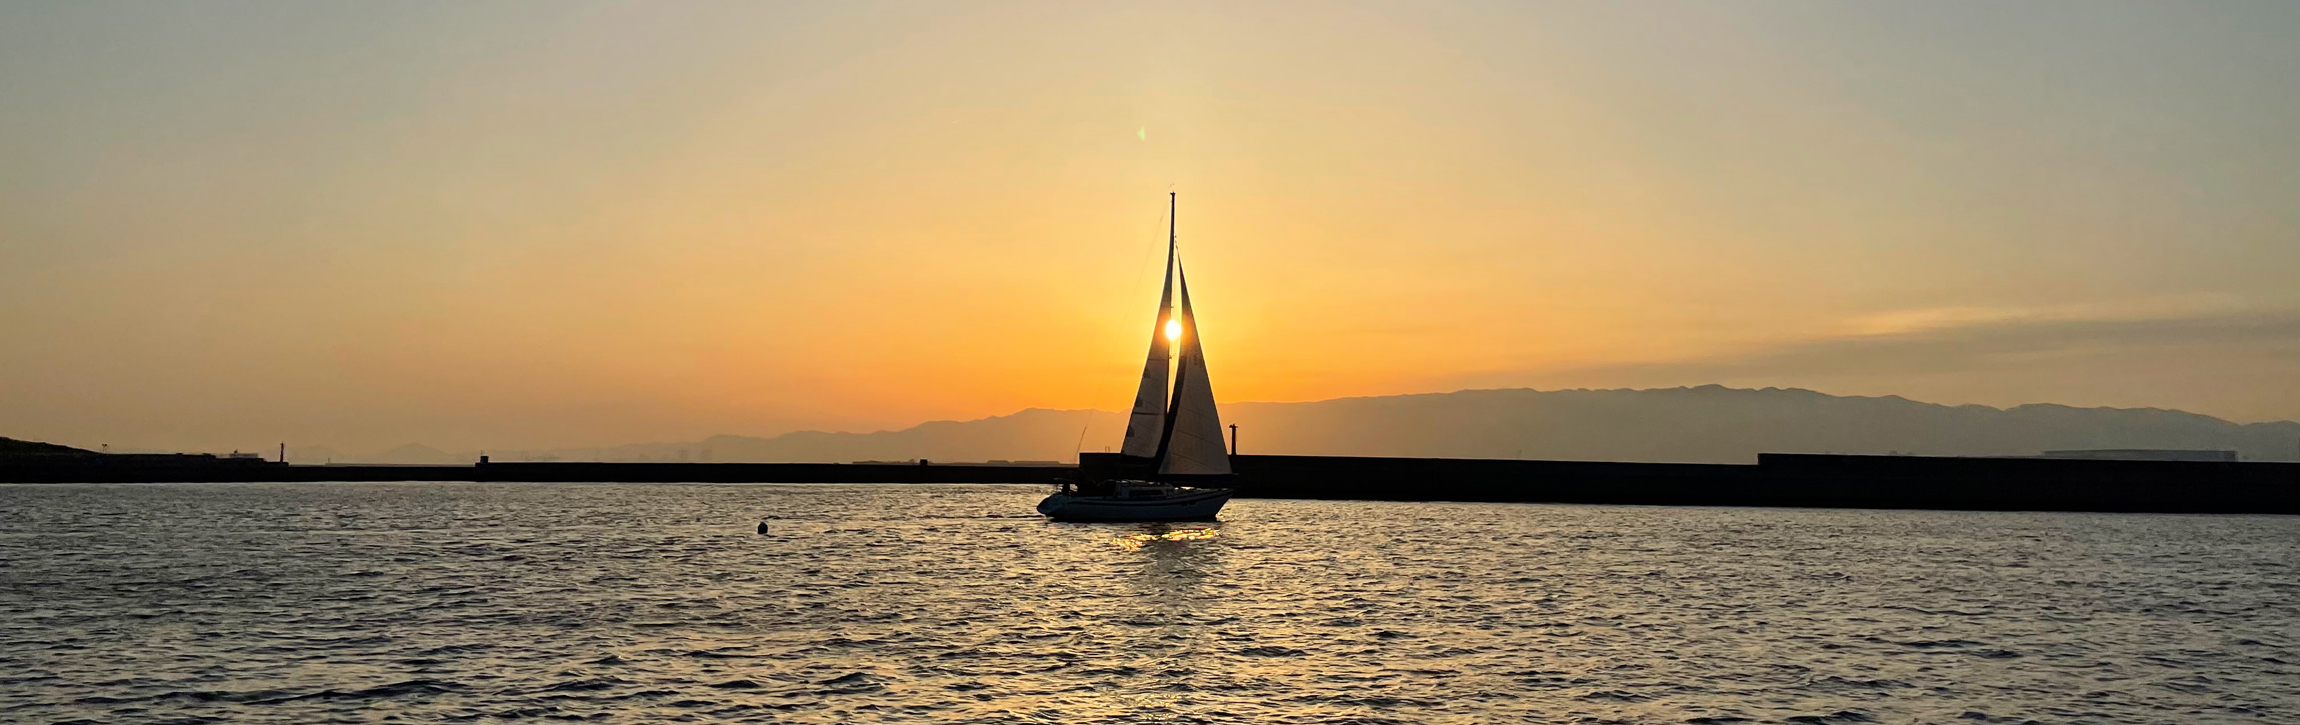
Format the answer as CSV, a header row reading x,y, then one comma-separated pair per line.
x,y
1717,424
1709,423
13,447
1035,434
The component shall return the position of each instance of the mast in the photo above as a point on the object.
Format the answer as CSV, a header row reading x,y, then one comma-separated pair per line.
x,y
1166,433
1173,407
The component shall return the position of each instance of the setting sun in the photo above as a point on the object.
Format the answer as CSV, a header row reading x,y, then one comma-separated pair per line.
x,y
1174,330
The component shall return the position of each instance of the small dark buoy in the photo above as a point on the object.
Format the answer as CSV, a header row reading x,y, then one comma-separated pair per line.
x,y
762,528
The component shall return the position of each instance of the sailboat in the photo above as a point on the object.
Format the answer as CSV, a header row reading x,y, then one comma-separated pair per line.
x,y
1177,467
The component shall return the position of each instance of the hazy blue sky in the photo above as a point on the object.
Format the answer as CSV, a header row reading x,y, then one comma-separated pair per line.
x,y
554,224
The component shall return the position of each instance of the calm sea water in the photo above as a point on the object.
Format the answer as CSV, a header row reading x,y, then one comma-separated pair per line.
x,y
635,603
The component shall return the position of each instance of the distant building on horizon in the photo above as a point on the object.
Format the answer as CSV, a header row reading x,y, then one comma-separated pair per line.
x,y
2145,454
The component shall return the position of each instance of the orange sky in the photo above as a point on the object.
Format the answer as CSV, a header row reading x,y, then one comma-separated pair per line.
x,y
562,224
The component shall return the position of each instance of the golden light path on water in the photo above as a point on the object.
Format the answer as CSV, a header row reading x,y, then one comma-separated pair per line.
x,y
1135,542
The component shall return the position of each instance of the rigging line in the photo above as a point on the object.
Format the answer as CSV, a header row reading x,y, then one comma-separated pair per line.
x,y
1144,268
1139,271
1082,431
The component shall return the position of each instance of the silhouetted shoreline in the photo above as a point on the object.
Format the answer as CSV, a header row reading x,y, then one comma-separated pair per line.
x,y
1777,480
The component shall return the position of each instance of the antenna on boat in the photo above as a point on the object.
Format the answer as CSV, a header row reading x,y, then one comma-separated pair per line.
x,y
1082,430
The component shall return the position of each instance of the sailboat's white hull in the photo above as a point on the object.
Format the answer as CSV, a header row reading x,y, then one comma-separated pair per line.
x,y
1189,504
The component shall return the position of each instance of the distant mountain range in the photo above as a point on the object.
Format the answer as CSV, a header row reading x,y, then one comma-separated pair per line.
x,y
1704,424
1717,424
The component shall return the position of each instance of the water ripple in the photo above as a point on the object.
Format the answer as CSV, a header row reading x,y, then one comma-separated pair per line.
x,y
454,602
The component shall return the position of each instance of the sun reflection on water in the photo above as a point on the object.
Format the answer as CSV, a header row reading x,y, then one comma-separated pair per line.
x,y
1135,542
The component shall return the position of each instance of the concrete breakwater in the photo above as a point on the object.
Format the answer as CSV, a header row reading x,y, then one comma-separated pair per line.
x,y
1791,480
86,470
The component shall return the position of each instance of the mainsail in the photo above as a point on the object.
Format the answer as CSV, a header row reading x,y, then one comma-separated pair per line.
x,y
1146,427
1193,445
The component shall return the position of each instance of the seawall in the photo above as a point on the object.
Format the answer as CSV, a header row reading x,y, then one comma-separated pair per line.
x,y
100,471
1792,480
